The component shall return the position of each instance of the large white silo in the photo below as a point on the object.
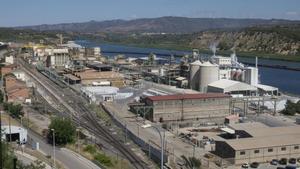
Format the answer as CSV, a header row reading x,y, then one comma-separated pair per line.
x,y
208,73
194,74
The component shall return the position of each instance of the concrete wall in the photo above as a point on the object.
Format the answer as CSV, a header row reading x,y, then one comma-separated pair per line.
x,y
155,152
172,110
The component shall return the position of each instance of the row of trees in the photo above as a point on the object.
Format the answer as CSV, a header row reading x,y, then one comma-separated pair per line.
x,y
291,108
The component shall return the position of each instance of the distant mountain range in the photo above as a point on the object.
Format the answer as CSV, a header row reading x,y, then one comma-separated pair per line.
x,y
160,25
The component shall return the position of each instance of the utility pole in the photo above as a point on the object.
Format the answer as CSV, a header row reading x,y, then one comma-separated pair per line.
x,y
9,129
53,142
1,158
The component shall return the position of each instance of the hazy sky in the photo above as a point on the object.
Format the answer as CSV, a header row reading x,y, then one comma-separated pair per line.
x,y
30,12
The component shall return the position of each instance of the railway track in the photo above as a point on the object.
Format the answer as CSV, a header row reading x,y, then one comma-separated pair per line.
x,y
79,111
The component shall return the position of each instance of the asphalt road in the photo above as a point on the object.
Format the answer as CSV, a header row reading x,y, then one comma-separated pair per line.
x,y
69,159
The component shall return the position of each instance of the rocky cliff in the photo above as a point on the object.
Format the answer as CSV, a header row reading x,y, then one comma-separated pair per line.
x,y
283,41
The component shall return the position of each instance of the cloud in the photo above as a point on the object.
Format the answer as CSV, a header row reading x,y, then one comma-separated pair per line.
x,y
133,16
292,13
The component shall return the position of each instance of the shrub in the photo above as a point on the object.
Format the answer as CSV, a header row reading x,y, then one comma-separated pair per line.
x,y
90,149
103,159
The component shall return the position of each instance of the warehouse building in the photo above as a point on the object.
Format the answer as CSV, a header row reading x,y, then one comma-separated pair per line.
x,y
231,87
188,106
255,142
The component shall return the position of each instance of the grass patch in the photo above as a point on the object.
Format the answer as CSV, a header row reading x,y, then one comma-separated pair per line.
x,y
100,113
103,159
90,149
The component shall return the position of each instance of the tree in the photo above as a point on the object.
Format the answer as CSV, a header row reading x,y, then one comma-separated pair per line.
x,y
64,131
191,162
13,110
1,97
290,108
7,155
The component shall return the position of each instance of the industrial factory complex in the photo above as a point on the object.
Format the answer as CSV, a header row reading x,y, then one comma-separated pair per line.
x,y
213,108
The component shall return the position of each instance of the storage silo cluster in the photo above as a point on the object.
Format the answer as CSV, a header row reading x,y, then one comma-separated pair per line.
x,y
238,75
202,74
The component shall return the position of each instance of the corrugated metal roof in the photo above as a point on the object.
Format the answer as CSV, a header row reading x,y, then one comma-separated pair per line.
x,y
266,87
188,96
231,85
264,136
264,142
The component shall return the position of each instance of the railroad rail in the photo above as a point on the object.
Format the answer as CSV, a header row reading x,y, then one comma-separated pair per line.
x,y
79,111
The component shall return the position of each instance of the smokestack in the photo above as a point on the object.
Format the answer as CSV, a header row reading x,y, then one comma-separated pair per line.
x,y
256,60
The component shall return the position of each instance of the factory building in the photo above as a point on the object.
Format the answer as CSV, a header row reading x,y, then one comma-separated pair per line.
x,y
57,58
231,87
188,106
255,142
222,61
227,75
90,76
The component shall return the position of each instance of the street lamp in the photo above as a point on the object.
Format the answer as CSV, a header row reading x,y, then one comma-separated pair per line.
x,y
53,136
77,132
161,142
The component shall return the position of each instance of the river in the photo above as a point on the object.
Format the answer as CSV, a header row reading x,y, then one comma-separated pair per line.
x,y
286,80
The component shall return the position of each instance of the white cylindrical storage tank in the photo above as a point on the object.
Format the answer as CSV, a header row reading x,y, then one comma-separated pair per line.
x,y
208,73
194,74
243,76
238,75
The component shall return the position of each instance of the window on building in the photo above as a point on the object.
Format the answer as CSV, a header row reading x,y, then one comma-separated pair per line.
x,y
296,147
270,150
242,153
256,151
283,148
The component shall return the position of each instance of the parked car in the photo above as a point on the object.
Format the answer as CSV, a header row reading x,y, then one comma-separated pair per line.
x,y
290,167
254,165
280,167
245,165
274,162
283,161
298,159
292,161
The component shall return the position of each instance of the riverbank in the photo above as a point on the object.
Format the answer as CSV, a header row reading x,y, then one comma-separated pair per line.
x,y
184,48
